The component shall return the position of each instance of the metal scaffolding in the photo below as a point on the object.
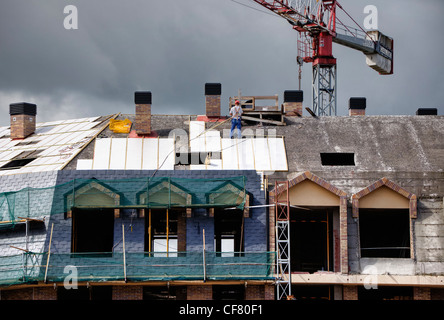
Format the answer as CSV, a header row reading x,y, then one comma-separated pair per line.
x,y
324,90
282,202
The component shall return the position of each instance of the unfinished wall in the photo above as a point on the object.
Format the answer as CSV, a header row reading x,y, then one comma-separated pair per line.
x,y
255,228
36,237
429,236
427,228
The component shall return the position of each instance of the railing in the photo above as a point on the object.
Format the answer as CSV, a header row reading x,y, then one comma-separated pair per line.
x,y
32,267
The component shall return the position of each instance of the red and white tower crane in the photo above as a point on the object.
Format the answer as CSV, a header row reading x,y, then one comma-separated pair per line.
x,y
318,26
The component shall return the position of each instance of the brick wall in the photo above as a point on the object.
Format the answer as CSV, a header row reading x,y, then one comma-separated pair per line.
x,y
212,106
143,119
199,293
20,294
291,108
45,293
22,125
127,293
254,293
437,294
356,112
269,292
39,293
420,293
350,292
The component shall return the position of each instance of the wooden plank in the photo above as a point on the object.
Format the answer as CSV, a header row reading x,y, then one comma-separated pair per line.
x,y
310,112
279,123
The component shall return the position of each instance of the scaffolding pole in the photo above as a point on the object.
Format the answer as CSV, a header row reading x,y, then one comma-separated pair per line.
x,y
124,256
282,205
49,253
203,255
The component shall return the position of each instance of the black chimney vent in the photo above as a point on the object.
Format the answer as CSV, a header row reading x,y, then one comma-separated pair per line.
x,y
142,97
213,89
357,103
427,112
293,96
23,108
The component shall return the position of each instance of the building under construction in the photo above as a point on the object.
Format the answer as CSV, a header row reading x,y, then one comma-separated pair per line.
x,y
148,206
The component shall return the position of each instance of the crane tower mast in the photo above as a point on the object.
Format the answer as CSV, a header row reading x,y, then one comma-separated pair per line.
x,y
318,27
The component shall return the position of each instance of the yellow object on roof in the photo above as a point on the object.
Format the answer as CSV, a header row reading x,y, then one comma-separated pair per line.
x,y
120,126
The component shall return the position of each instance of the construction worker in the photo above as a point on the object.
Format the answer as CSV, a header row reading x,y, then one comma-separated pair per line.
x,y
236,113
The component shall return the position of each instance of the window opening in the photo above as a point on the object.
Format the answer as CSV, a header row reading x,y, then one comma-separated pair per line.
x,y
21,160
161,237
312,292
93,230
16,164
338,159
228,232
384,233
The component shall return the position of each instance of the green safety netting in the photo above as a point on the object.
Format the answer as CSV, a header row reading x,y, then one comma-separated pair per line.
x,y
35,267
145,192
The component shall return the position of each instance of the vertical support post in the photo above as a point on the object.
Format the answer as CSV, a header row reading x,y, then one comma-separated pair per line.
x,y
203,255
124,255
328,243
149,232
49,253
324,87
73,194
282,206
25,254
167,232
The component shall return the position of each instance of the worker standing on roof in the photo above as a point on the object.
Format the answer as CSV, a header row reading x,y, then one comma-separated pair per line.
x,y
236,113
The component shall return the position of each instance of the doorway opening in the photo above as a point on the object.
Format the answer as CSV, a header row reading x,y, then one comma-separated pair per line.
x,y
311,240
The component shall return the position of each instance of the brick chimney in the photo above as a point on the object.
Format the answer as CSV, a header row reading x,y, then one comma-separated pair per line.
x,y
293,102
22,119
212,99
356,106
142,100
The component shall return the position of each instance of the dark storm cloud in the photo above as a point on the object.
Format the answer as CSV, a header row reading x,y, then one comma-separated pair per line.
x,y
173,48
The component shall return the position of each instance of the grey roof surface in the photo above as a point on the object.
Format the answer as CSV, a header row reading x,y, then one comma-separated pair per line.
x,y
380,143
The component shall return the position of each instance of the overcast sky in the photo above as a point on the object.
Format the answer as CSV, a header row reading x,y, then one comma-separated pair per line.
x,y
172,48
